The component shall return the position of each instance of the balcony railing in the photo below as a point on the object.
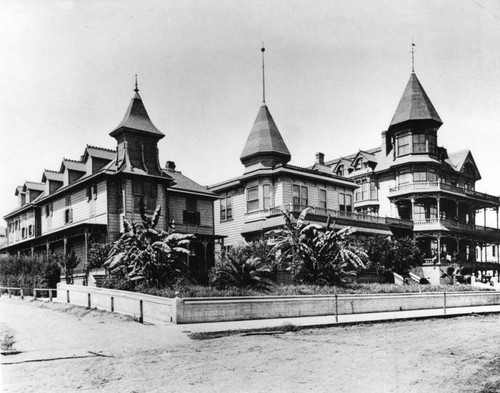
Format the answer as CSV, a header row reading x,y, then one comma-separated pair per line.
x,y
343,214
444,187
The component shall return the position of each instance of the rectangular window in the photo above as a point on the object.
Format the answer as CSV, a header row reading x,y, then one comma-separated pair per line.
x,y
365,191
348,203
23,232
252,198
68,200
419,211
432,176
266,191
304,196
94,189
226,209
404,178
30,230
296,194
403,145
431,141
148,192
322,199
68,216
493,250
191,215
47,210
419,143
420,176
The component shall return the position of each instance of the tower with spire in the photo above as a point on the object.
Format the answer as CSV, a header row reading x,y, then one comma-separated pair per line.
x,y
413,128
265,146
137,138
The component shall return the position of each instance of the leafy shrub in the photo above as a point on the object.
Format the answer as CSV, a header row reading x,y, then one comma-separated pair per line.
x,y
30,272
240,267
395,255
314,254
144,253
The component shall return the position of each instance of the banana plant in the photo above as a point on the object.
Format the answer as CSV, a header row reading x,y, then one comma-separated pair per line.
x,y
313,253
146,253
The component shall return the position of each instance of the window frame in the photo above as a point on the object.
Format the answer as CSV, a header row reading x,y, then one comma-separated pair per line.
x,y
252,204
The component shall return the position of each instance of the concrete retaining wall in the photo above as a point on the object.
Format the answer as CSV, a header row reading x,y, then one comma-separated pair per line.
x,y
156,309
153,309
197,310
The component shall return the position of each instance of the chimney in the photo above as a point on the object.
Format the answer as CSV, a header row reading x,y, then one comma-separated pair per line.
x,y
384,143
170,166
320,158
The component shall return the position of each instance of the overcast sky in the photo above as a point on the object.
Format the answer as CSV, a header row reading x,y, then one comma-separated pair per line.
x,y
335,72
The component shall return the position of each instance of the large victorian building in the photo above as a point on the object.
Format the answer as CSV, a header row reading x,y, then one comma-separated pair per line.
x,y
252,204
87,199
411,177
408,186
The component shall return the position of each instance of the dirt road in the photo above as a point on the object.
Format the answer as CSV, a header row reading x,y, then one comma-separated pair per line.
x,y
69,349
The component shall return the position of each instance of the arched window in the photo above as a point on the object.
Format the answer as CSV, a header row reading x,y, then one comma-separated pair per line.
x,y
358,164
341,170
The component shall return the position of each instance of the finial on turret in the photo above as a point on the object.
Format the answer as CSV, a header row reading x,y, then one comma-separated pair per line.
x,y
136,88
263,75
412,57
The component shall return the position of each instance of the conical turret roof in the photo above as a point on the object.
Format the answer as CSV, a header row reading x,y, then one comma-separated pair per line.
x,y
415,105
137,118
265,140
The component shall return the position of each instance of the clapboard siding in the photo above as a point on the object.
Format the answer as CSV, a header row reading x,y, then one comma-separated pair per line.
x,y
231,228
177,205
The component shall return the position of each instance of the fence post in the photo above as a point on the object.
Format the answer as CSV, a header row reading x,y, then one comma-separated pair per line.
x,y
112,304
22,294
445,303
67,295
50,294
8,291
89,304
34,293
141,312
336,308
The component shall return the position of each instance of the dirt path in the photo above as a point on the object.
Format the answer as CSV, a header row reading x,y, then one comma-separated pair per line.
x,y
438,355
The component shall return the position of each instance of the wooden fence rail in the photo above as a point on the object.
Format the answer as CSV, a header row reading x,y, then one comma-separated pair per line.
x,y
10,290
50,290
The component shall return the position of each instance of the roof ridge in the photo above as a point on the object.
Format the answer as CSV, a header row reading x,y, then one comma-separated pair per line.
x,y
77,161
51,170
34,182
101,148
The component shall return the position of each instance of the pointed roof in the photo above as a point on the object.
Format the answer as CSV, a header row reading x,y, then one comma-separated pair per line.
x,y
137,118
265,139
415,104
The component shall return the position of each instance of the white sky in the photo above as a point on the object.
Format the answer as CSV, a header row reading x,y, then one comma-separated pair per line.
x,y
335,72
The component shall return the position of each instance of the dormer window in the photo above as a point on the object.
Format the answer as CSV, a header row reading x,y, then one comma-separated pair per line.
x,y
358,164
341,170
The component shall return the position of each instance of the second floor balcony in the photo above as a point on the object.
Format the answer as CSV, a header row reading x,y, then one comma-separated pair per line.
x,y
321,214
424,187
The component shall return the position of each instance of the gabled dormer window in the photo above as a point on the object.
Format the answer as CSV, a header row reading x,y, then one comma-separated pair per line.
x,y
358,164
341,170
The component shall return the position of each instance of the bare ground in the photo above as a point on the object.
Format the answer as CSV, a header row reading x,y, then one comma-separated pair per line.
x,y
71,349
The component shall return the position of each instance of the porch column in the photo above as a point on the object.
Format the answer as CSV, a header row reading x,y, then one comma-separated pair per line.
x,y
438,237
497,219
484,211
47,248
438,202
412,200
456,211
32,251
481,251
65,242
86,234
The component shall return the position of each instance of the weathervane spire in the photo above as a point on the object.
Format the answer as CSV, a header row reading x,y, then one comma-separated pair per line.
x,y
263,76
136,88
412,57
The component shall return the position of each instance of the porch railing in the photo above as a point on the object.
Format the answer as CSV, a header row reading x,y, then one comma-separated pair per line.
x,y
444,187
